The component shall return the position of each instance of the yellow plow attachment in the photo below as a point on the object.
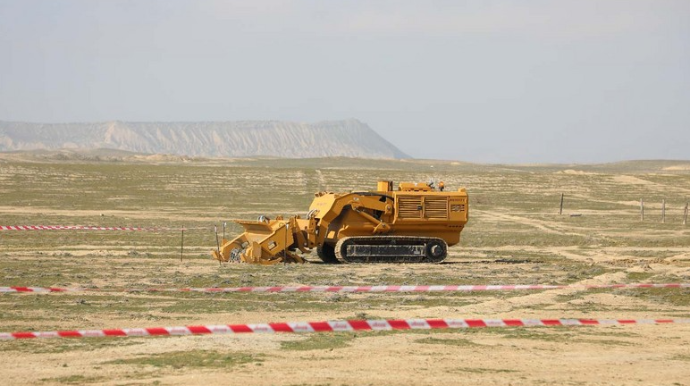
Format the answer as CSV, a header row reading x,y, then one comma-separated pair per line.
x,y
263,242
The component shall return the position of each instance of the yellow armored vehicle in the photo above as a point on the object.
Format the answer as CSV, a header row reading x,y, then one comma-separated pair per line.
x,y
413,224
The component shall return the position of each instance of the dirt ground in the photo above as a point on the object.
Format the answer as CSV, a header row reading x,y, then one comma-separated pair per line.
x,y
515,236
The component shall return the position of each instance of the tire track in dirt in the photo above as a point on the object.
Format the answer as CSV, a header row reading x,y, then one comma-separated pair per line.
x,y
546,227
529,301
632,180
609,257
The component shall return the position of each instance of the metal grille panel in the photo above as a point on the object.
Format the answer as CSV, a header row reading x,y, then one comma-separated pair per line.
x,y
409,207
436,207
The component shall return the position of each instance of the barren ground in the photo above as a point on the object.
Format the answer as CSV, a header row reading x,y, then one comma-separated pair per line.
x,y
515,236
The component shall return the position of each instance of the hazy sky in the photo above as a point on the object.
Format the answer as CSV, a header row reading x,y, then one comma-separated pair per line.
x,y
484,81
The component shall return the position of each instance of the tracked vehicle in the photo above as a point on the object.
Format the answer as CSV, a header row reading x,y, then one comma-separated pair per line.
x,y
413,224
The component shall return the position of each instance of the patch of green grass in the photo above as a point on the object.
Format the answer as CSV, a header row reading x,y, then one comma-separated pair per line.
x,y
74,380
561,334
329,341
609,333
580,294
311,384
608,342
192,359
556,335
679,297
550,334
481,370
85,303
639,277
447,342
61,346
651,254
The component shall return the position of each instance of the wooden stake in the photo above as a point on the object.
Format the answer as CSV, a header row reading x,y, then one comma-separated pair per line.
x,y
215,229
663,211
560,211
641,210
182,244
685,214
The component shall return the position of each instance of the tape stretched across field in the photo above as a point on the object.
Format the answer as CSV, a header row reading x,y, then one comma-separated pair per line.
x,y
334,326
88,228
381,288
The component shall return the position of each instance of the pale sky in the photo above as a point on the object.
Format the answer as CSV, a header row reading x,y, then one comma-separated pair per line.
x,y
482,81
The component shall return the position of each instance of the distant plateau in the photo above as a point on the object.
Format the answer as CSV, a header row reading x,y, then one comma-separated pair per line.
x,y
344,138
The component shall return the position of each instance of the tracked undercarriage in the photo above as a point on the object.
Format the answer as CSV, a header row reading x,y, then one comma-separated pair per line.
x,y
391,249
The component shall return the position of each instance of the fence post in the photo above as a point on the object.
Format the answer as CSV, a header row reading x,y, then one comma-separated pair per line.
x,y
182,244
215,230
663,211
560,211
641,210
685,214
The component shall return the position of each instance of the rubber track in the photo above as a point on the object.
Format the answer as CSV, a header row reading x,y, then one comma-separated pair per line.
x,y
382,240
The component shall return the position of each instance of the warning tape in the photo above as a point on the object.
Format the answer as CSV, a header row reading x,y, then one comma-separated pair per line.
x,y
79,227
335,326
381,288
95,228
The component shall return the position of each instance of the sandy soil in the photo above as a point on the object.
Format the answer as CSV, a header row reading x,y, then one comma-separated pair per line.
x,y
589,355
512,240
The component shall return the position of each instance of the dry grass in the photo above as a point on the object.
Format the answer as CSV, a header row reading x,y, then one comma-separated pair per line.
x,y
515,236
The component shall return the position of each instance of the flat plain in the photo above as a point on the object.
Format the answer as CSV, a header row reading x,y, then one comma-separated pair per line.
x,y
515,236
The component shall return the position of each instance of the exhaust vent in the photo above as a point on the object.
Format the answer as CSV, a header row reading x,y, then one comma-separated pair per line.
x,y
436,207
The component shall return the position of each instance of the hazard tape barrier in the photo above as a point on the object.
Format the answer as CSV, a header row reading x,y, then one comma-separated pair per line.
x,y
87,228
335,326
380,288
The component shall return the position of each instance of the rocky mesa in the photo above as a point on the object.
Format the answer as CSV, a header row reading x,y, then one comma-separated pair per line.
x,y
346,138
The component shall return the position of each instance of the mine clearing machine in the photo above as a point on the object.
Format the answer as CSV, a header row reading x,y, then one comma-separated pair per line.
x,y
413,224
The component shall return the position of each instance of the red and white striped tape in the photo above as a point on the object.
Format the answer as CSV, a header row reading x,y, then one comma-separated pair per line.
x,y
334,326
380,288
77,228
